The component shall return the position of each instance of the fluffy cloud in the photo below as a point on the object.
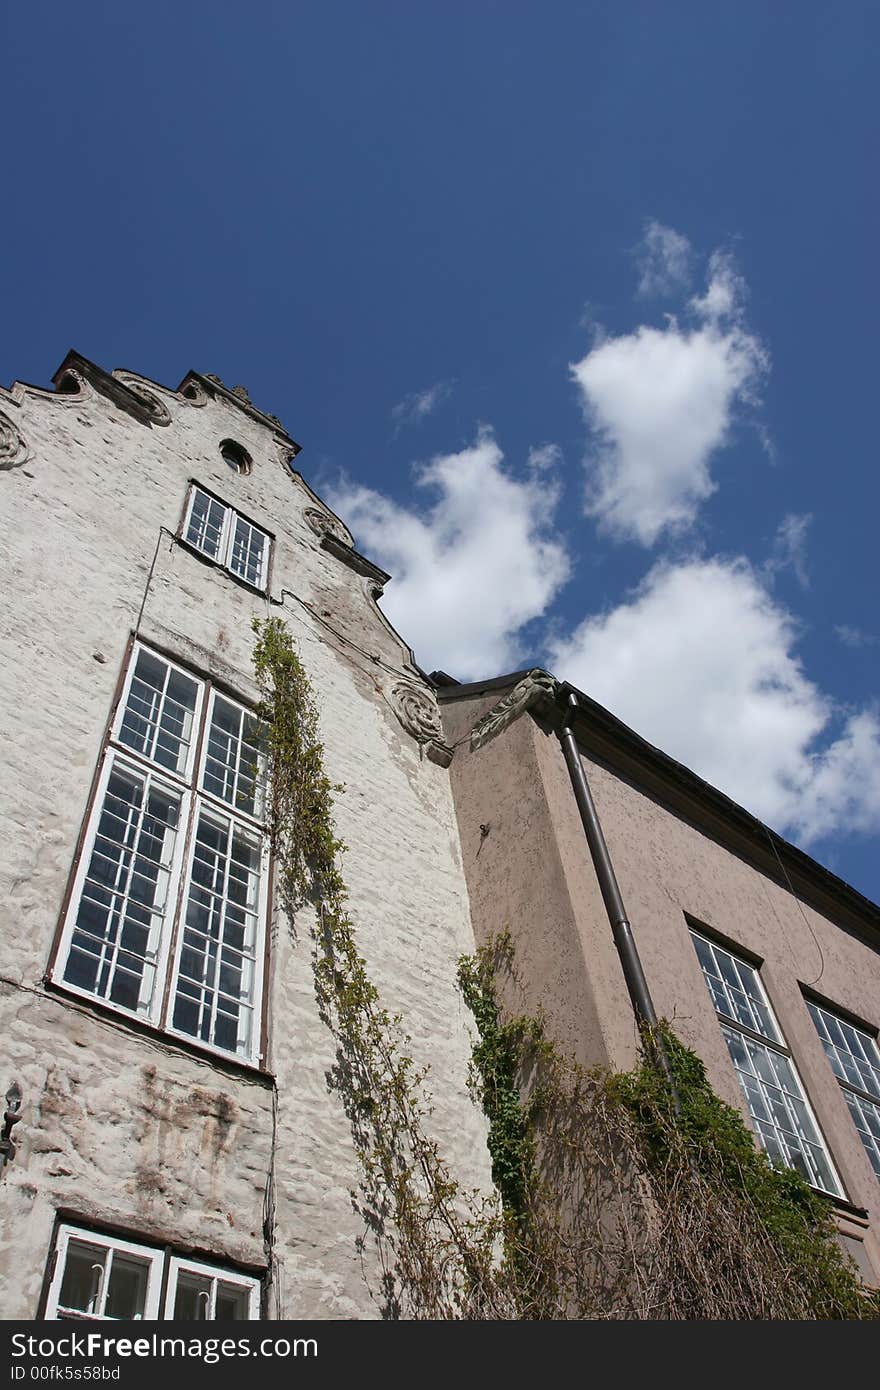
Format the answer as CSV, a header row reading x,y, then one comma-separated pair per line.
x,y
418,404
659,403
664,261
474,565
701,661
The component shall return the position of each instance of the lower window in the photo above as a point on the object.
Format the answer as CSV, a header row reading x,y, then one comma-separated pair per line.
x,y
100,1278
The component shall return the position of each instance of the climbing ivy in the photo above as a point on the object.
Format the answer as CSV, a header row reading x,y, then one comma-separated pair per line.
x,y
612,1202
435,1243
697,1223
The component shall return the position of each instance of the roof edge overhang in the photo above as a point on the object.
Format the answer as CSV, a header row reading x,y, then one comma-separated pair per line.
x,y
603,735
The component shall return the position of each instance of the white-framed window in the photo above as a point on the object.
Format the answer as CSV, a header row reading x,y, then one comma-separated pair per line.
x,y
781,1114
166,917
219,532
100,1278
203,1293
855,1061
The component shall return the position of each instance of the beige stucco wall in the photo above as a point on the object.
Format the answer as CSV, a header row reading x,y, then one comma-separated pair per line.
x,y
532,874
127,1129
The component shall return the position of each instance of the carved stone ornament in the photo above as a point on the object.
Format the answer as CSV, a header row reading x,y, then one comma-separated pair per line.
x,y
419,715
159,412
325,525
534,689
194,393
286,452
372,588
13,450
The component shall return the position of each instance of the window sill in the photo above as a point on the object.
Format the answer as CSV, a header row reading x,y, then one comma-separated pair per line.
x,y
174,1042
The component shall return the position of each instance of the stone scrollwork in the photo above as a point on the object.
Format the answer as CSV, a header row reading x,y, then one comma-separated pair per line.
x,y
13,449
159,412
194,393
287,451
373,588
419,715
536,688
323,524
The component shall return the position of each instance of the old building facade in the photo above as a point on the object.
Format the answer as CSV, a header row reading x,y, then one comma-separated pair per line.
x,y
158,1011
176,1149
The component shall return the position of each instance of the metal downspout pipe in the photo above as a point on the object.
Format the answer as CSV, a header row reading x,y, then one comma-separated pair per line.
x,y
624,940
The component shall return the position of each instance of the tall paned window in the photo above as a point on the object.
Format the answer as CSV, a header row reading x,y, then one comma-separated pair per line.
x,y
855,1061
781,1114
167,914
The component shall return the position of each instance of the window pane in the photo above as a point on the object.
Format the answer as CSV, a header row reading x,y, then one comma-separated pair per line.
x,y
216,980
233,1303
234,762
159,710
866,1118
778,1107
83,1276
855,1060
205,527
736,989
121,914
192,1299
126,1287
853,1053
249,552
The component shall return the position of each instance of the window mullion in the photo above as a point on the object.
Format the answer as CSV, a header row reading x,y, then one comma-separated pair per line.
x,y
176,932
105,1283
221,929
227,537
182,866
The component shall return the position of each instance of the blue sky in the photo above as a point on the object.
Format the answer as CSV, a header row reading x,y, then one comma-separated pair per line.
x,y
572,307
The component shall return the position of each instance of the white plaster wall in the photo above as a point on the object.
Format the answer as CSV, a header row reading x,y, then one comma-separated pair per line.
x,y
126,1129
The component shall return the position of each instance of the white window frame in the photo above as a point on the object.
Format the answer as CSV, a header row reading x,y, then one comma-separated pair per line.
x,y
762,1036
863,1102
156,1005
159,1261
226,543
178,1265
184,773
114,1245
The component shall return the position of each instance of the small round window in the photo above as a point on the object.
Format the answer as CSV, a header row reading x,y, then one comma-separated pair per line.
x,y
237,458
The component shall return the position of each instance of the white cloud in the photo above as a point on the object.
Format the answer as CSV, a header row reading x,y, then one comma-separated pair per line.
x,y
472,567
854,637
544,458
659,404
418,404
663,257
701,661
725,291
790,547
